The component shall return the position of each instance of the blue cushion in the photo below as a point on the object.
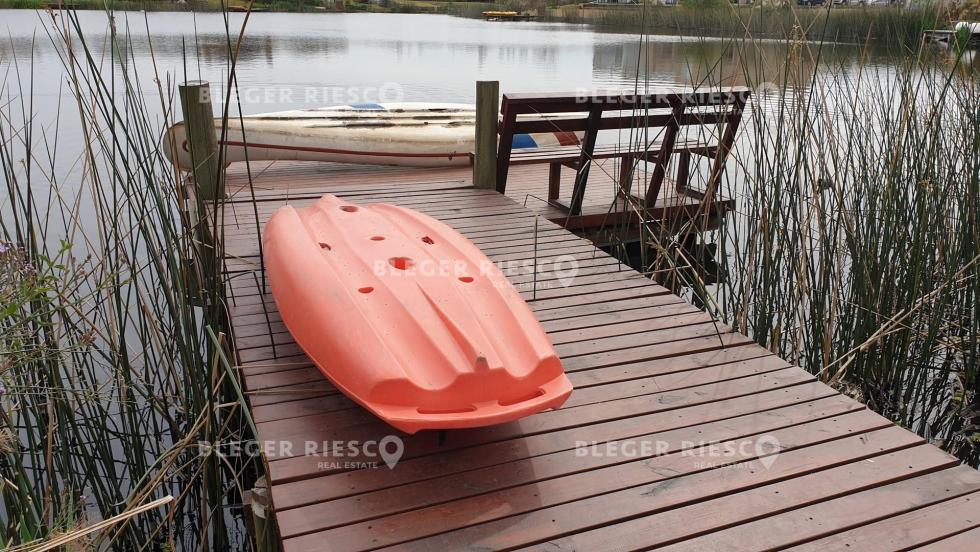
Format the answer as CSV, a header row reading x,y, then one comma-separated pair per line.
x,y
524,141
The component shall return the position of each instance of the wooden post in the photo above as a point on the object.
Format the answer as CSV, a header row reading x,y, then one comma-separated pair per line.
x,y
585,159
554,181
727,141
666,151
683,171
508,118
207,178
202,142
485,160
261,521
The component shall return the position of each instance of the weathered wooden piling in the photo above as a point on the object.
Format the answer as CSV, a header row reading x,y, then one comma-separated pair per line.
x,y
207,179
202,141
485,159
260,521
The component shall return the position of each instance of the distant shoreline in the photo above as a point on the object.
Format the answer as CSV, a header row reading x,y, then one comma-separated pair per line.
x,y
845,24
278,6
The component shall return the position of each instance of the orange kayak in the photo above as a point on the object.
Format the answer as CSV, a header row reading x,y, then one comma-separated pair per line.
x,y
409,318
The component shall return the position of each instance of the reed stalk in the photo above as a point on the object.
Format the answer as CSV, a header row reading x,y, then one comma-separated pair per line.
x,y
854,246
116,390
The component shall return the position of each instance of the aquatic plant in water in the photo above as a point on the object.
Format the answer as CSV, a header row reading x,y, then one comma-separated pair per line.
x,y
116,387
854,247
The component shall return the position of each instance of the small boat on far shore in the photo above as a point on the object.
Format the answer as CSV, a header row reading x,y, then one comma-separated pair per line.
x,y
245,9
492,15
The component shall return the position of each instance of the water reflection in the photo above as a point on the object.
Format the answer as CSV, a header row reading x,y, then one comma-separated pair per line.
x,y
291,61
728,62
211,48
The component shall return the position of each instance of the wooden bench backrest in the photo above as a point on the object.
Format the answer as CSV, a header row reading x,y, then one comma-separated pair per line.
x,y
575,110
538,113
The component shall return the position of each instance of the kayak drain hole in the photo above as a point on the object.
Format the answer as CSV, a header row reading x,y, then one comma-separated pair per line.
x,y
367,289
519,400
401,263
428,240
325,246
377,238
349,208
466,279
462,410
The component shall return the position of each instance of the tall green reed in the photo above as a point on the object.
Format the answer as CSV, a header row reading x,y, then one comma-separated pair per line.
x,y
860,245
116,390
854,247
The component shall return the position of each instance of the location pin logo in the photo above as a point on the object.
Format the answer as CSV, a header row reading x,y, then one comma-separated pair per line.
x,y
565,275
385,446
768,445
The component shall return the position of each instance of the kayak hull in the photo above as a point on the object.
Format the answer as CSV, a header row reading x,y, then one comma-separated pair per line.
x,y
408,318
403,134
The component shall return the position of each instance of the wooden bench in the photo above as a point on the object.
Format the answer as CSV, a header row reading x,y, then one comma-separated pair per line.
x,y
662,114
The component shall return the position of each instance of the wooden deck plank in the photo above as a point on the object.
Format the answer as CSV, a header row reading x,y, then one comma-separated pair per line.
x,y
297,468
526,185
833,415
344,420
935,518
259,322
683,422
682,501
251,336
313,428
634,376
289,406
603,282
885,482
558,477
618,337
674,317
965,540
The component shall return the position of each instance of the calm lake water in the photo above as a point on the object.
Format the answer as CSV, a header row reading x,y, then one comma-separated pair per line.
x,y
291,61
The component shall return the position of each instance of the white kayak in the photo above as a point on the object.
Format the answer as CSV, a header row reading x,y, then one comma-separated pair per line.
x,y
971,26
406,134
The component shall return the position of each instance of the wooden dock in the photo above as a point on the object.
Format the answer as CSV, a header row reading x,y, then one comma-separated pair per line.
x,y
948,37
680,433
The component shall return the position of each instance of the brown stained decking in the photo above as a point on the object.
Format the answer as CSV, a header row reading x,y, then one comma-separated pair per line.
x,y
527,185
647,368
